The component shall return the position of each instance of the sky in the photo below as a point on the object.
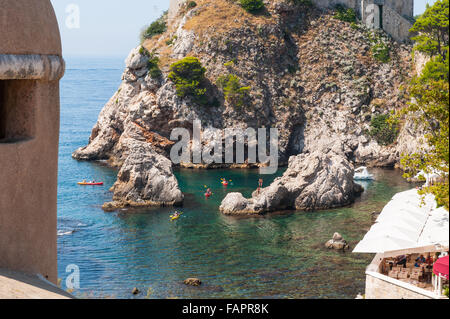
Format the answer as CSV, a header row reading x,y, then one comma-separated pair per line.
x,y
112,27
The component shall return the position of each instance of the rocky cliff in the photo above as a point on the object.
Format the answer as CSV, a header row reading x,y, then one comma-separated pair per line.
x,y
313,77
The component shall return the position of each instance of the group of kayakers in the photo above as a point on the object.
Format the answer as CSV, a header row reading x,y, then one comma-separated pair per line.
x,y
226,182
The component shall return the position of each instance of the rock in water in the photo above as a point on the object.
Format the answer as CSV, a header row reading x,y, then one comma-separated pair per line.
x,y
337,236
193,282
338,243
135,291
145,179
321,180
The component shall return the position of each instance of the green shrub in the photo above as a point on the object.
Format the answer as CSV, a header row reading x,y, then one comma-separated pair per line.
x,y
302,2
234,93
153,63
153,66
344,14
380,49
252,5
384,129
172,40
446,292
191,4
157,27
188,75
381,52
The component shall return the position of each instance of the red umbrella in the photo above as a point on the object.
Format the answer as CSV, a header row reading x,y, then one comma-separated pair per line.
x,y
441,267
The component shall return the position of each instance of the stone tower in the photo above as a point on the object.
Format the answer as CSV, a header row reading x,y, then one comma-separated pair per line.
x,y
31,66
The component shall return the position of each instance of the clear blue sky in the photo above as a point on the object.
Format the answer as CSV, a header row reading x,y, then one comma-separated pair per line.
x,y
111,27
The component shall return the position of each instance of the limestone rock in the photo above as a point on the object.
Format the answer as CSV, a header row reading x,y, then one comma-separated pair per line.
x,y
135,291
195,282
337,243
311,182
136,60
145,179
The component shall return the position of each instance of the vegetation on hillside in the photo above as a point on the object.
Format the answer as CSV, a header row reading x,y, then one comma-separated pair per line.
x,y
252,5
234,92
384,129
429,106
345,14
157,27
380,49
188,75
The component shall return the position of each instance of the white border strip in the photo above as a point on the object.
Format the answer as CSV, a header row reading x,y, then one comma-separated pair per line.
x,y
31,67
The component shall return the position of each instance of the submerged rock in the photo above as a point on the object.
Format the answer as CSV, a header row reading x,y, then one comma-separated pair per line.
x,y
337,242
195,282
135,291
312,182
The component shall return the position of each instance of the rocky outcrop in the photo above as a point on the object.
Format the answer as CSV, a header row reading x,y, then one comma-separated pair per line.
x,y
315,181
310,76
145,179
337,242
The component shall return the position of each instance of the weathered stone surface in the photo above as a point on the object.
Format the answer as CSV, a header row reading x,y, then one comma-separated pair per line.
x,y
195,282
136,60
320,180
135,291
337,242
145,179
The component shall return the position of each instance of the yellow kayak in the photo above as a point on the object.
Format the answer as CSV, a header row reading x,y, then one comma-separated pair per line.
x,y
172,217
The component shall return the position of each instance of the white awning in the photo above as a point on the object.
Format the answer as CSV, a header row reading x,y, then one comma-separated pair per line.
x,y
408,223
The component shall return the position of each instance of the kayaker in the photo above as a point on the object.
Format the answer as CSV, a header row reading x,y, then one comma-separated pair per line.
x,y
260,184
208,192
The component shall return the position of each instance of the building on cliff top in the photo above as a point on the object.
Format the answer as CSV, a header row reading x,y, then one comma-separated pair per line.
x,y
395,17
31,66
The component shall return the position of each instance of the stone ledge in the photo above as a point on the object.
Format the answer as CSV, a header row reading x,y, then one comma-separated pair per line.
x,y
31,67
15,285
403,285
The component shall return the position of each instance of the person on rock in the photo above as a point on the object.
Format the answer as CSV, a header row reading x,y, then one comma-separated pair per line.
x,y
260,184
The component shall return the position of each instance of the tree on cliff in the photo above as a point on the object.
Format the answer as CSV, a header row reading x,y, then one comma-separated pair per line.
x,y
429,92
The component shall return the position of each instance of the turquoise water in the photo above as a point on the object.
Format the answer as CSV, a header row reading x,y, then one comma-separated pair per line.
x,y
281,255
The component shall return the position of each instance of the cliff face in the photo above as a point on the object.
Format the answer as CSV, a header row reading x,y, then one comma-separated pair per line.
x,y
311,76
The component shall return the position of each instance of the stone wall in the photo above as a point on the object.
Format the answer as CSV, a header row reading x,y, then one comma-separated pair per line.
x,y
397,14
377,288
30,68
355,4
403,7
396,25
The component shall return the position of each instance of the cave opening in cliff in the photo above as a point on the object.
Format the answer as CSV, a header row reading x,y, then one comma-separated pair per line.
x,y
17,114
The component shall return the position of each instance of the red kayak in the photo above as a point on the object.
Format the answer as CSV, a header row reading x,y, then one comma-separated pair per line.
x,y
90,184
207,195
